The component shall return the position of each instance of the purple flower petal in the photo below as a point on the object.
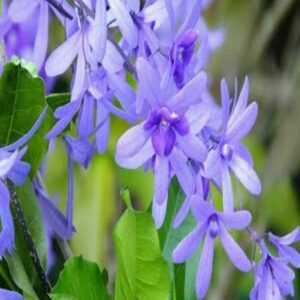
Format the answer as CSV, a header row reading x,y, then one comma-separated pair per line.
x,y
292,254
18,174
190,94
189,244
161,181
10,295
112,61
197,116
182,213
227,192
125,22
241,103
246,174
62,57
132,141
19,10
243,124
182,171
233,250
137,159
103,122
290,238
159,212
205,267
149,82
6,164
41,40
201,209
281,271
225,103
244,153
192,146
236,220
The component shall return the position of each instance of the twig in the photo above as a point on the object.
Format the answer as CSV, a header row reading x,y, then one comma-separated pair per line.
x,y
18,212
58,5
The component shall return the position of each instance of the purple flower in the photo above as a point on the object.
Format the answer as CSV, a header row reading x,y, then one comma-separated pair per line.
x,y
283,246
213,224
20,11
168,136
87,43
273,277
229,155
10,295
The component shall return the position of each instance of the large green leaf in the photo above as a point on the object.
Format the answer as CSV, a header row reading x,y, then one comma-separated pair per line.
x,y
142,272
20,263
22,99
80,280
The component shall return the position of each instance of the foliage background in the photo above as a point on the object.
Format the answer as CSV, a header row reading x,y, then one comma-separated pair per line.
x,y
262,41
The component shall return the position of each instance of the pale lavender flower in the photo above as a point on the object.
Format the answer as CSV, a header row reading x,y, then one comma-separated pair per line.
x,y
283,245
273,277
168,136
213,224
229,154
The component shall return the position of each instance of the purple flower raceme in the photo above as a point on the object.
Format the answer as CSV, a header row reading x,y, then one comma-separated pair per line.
x,y
273,277
228,153
213,224
167,137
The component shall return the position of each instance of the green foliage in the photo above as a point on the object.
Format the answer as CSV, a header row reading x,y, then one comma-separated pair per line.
x,y
57,100
142,272
22,99
81,280
170,237
20,263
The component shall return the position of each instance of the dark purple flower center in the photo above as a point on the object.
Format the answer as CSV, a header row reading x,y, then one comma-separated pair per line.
x,y
181,55
213,225
164,125
226,151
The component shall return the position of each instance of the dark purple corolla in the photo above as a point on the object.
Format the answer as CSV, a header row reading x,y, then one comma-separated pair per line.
x,y
167,137
228,153
213,224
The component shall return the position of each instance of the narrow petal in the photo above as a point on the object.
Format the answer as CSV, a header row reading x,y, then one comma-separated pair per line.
x,y
182,171
41,40
161,181
291,238
205,267
159,212
125,22
192,146
79,83
281,271
246,174
233,250
225,103
292,254
138,159
18,174
182,213
227,193
201,209
112,61
243,124
19,10
197,116
236,220
241,104
62,57
189,244
7,163
244,153
103,127
190,94
149,82
98,31
132,141
86,118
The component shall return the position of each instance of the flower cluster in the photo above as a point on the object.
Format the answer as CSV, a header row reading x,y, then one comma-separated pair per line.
x,y
177,127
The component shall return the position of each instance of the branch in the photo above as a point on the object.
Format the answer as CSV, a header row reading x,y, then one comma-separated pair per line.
x,y
18,212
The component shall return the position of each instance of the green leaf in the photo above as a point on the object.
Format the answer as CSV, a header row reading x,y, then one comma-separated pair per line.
x,y
80,280
20,263
22,99
170,237
142,272
57,100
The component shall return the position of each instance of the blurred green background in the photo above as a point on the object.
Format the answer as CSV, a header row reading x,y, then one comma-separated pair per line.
x,y
262,41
